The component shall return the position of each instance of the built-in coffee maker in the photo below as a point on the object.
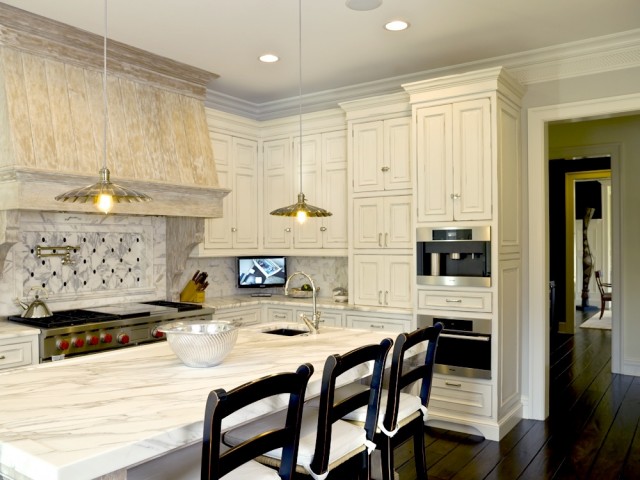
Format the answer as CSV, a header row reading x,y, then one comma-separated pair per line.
x,y
456,256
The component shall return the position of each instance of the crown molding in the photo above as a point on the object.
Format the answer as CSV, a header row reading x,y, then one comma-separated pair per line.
x,y
588,57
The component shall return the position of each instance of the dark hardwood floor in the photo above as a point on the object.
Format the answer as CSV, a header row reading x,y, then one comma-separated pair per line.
x,y
593,430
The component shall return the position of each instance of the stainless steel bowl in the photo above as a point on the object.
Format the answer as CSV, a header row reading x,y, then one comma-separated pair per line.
x,y
200,344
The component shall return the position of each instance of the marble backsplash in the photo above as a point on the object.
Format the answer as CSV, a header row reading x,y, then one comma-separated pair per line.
x,y
327,273
110,259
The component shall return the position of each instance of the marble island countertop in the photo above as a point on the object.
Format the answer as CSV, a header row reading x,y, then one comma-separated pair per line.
x,y
100,414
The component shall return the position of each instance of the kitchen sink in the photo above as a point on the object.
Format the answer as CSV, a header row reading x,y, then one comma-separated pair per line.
x,y
286,332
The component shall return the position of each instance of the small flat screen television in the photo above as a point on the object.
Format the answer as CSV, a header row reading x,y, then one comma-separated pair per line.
x,y
261,271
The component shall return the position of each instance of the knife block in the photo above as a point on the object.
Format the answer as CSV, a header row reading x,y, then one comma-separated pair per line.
x,y
190,293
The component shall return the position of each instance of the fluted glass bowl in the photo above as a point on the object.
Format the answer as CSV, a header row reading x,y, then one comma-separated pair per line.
x,y
200,344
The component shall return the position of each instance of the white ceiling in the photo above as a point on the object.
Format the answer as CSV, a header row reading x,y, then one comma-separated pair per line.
x,y
340,47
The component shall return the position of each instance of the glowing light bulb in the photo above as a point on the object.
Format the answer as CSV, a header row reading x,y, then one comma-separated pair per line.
x,y
104,202
301,216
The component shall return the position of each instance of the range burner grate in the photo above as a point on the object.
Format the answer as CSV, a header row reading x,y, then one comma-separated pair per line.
x,y
65,319
182,307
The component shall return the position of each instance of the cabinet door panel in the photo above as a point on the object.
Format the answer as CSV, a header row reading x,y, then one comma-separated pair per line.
x,y
397,155
245,212
398,273
278,192
398,231
368,226
369,272
472,160
434,172
367,157
218,230
308,235
334,180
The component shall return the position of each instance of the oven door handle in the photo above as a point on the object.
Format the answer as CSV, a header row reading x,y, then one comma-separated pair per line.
x,y
475,338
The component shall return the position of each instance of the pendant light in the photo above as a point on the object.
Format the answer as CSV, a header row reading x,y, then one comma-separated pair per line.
x,y
301,209
104,193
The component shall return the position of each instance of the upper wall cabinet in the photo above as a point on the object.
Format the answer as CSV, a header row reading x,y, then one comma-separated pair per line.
x,y
237,163
381,155
454,161
324,183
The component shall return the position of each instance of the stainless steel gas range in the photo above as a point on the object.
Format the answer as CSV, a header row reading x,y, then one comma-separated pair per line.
x,y
78,332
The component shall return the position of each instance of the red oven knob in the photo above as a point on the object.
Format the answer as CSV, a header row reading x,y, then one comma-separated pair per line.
x,y
157,333
106,338
92,340
123,339
62,344
77,342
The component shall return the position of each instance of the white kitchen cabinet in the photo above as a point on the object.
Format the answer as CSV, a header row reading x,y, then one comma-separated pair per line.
x,y
459,300
453,149
278,192
18,352
237,166
242,317
324,183
369,321
329,318
383,280
455,395
382,222
381,155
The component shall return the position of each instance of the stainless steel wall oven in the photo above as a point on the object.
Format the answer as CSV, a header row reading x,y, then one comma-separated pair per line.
x,y
464,347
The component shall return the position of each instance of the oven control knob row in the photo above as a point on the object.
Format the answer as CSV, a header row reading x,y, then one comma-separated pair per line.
x,y
123,339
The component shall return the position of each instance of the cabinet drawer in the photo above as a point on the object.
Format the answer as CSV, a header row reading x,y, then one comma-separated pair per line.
x,y
279,315
242,318
461,396
15,355
330,319
373,323
455,300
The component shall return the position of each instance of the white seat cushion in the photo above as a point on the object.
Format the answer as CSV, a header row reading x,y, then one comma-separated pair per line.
x,y
345,437
409,404
252,471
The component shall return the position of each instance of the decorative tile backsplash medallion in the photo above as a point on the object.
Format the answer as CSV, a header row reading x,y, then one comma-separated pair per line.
x,y
109,257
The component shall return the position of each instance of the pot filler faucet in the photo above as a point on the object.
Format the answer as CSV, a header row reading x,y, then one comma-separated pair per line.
x,y
314,322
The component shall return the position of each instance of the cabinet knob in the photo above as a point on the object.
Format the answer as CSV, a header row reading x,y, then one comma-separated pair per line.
x,y
323,229
385,169
288,229
455,196
234,229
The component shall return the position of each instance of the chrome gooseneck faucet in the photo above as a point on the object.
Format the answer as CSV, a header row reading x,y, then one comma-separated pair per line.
x,y
314,322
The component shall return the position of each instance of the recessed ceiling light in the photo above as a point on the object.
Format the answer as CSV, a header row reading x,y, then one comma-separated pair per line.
x,y
396,25
269,58
363,5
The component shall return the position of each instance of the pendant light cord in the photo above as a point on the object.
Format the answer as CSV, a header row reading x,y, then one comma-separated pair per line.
x,y
104,89
300,85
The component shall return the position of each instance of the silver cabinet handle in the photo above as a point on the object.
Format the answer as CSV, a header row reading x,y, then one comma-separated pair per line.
x,y
472,338
379,297
234,229
380,239
386,239
455,196
452,384
385,169
288,229
323,229
386,297
380,327
2,357
280,315
451,300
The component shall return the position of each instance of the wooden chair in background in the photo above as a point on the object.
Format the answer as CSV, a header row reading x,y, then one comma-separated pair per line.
x,y
605,291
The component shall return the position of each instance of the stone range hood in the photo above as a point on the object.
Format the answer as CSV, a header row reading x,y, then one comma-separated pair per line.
x,y
52,121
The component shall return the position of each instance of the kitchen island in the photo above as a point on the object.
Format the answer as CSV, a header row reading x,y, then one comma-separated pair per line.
x,y
101,415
